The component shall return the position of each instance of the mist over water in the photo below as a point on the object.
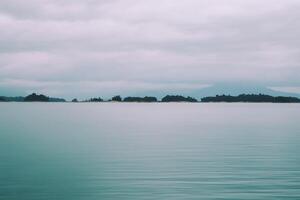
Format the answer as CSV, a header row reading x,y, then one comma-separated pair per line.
x,y
140,151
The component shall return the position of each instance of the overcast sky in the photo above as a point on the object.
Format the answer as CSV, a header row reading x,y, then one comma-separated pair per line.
x,y
102,47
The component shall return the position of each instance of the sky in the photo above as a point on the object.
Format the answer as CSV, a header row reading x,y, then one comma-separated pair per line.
x,y
82,48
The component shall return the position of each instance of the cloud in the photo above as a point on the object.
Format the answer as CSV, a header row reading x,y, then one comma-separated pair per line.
x,y
150,42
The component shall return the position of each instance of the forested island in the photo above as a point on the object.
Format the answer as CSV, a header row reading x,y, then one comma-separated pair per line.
x,y
247,98
36,97
31,98
253,98
178,98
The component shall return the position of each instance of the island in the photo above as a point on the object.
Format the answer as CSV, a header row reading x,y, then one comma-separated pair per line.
x,y
35,97
251,98
178,98
31,98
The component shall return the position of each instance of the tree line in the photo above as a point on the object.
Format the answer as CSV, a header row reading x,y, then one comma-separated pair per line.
x,y
255,98
260,98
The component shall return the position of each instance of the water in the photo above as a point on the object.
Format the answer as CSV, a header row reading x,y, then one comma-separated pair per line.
x,y
149,151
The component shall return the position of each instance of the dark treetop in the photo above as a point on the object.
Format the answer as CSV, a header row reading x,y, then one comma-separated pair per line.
x,y
116,98
95,100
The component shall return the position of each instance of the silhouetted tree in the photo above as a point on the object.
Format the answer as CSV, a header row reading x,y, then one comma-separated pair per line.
x,y
95,100
117,98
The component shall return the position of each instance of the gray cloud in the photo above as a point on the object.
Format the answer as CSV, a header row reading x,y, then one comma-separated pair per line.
x,y
148,43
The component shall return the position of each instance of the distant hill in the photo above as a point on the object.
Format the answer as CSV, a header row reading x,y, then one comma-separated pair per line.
x,y
251,98
237,89
36,97
217,89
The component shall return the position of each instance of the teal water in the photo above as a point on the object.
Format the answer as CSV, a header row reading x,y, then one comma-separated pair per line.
x,y
60,151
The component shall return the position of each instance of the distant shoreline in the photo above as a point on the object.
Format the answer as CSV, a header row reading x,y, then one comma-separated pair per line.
x,y
242,98
182,102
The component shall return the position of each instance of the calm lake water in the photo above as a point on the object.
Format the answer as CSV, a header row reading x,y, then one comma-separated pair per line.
x,y
65,151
